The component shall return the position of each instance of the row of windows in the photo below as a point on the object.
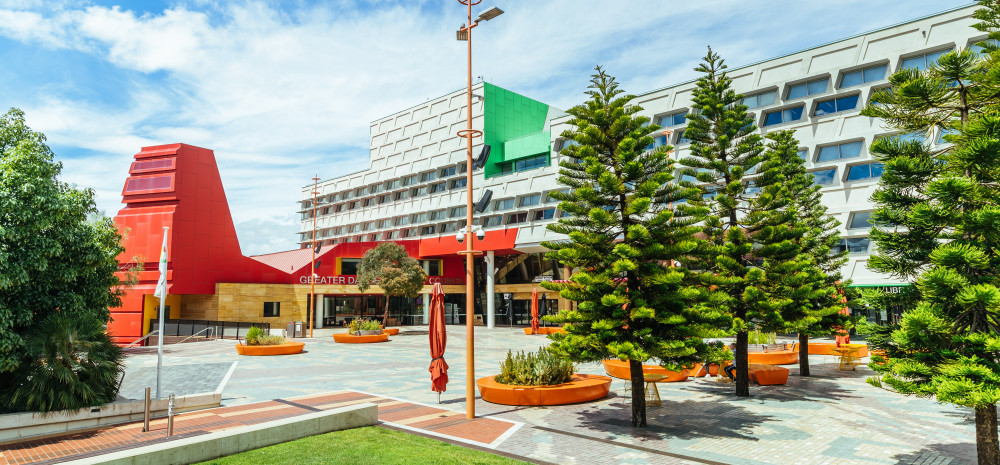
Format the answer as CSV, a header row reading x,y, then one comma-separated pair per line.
x,y
399,183
524,164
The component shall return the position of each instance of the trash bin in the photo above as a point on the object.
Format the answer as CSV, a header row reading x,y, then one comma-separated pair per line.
x,y
295,329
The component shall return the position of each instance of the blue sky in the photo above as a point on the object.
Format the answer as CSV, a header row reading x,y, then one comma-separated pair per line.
x,y
282,90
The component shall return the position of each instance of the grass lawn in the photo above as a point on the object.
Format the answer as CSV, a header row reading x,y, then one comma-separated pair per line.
x,y
363,446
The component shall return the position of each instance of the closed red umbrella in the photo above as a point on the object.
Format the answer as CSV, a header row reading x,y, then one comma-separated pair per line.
x,y
438,338
534,311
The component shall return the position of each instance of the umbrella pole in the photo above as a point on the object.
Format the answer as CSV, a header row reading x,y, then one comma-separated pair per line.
x,y
439,397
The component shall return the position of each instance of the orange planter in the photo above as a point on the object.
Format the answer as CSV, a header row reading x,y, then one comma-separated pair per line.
x,y
820,348
713,369
620,370
545,330
287,348
352,339
391,331
778,357
767,375
582,388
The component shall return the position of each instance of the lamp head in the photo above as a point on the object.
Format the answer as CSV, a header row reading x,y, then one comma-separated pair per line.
x,y
462,33
489,14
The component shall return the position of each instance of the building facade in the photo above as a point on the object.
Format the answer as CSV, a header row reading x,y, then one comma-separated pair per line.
x,y
415,185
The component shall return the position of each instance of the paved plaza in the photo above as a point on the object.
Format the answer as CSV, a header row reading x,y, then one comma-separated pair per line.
x,y
832,417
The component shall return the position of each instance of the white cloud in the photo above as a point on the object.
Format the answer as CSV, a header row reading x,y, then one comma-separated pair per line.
x,y
281,95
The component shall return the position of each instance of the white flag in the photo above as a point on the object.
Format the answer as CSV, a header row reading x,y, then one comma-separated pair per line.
x,y
161,285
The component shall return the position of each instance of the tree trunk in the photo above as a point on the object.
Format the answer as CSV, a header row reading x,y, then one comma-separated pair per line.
x,y
987,446
639,394
385,316
742,370
803,354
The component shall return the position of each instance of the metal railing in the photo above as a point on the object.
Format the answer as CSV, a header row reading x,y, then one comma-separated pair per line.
x,y
140,340
207,329
220,329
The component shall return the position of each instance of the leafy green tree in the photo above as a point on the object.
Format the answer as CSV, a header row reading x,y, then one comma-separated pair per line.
x,y
937,219
814,287
751,249
622,235
391,268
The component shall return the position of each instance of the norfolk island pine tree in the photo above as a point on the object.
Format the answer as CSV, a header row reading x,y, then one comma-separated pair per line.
x,y
748,235
937,216
621,235
391,268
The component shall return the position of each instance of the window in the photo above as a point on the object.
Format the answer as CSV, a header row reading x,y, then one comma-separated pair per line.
x,y
506,168
418,191
392,235
491,221
803,154
760,99
152,165
449,171
418,217
458,183
531,163
390,185
546,214
860,220
428,176
384,198
368,226
530,200
860,172
837,152
503,204
562,144
835,105
352,205
548,196
432,267
783,116
461,168
922,62
449,227
817,86
367,202
360,191
401,195
427,230
911,137
515,218
409,180
402,221
862,76
384,223
150,183
824,177
349,266
673,119
376,237
439,187
681,139
975,47
338,208
376,188
347,195
853,245
272,309
353,228
456,212
752,189
437,215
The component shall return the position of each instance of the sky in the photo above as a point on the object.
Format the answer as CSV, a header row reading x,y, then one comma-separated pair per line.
x,y
285,90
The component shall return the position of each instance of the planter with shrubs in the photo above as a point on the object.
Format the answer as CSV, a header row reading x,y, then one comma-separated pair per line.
x,y
541,379
260,343
362,331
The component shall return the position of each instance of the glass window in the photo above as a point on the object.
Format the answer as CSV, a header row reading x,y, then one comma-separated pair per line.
x,y
418,217
860,220
410,180
836,152
922,62
376,188
673,119
458,183
149,183
979,49
393,235
427,230
433,267
360,191
681,139
562,144
449,227
530,200
912,137
456,212
803,153
503,204
869,171
428,176
857,245
515,218
546,214
491,221
506,168
389,185
760,100
531,163
783,116
437,215
349,266
449,171
824,177
439,187
875,73
808,88
402,220
827,107
548,196
272,309
418,191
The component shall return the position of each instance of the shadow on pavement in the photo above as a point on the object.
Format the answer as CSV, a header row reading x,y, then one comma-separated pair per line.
x,y
951,454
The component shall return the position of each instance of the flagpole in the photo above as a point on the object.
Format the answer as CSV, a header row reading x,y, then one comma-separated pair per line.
x,y
162,287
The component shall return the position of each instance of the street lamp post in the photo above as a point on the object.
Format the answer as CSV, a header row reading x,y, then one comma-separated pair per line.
x,y
465,33
312,264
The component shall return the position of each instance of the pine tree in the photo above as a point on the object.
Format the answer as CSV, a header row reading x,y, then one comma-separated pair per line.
x,y
750,234
389,267
622,233
815,289
937,218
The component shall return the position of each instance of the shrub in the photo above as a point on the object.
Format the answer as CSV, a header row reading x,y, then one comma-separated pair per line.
x,y
363,325
757,337
257,337
534,369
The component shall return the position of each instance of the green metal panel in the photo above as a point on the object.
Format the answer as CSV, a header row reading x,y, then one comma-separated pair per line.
x,y
527,146
507,115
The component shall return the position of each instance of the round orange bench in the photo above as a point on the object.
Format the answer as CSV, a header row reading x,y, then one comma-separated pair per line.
x,y
823,348
545,330
287,348
621,370
778,357
352,339
391,331
581,388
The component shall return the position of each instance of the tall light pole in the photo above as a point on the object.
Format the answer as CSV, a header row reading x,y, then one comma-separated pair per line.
x,y
465,33
312,264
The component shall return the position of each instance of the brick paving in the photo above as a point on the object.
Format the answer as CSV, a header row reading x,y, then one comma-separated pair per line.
x,y
427,420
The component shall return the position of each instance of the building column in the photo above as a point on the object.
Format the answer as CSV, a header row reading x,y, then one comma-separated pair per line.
x,y
427,308
319,310
491,307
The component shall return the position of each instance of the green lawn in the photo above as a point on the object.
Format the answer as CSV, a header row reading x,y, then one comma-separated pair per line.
x,y
364,446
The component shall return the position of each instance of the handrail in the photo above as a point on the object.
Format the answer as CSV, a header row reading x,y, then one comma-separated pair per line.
x,y
141,339
199,332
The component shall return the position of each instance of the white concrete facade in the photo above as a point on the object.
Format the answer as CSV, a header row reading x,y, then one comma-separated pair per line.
x,y
421,140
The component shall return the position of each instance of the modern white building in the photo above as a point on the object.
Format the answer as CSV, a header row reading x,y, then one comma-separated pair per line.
x,y
414,188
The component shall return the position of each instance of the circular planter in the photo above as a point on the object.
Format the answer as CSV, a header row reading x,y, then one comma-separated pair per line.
x,y
620,370
820,348
287,348
545,330
778,357
581,388
352,339
391,331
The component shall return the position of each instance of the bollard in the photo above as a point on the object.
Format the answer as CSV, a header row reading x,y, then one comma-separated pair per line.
x,y
145,415
170,416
